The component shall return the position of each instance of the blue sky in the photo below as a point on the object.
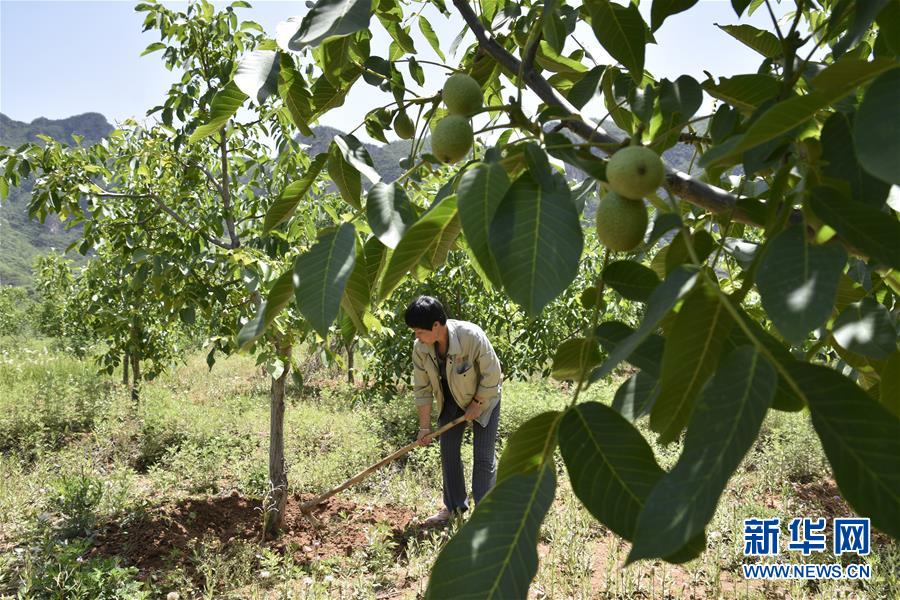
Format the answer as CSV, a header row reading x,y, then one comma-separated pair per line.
x,y
63,58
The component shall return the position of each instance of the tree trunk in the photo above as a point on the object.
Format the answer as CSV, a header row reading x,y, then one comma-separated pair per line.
x,y
276,500
125,369
350,378
135,378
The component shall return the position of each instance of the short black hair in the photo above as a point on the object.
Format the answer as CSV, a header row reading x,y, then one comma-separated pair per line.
x,y
424,311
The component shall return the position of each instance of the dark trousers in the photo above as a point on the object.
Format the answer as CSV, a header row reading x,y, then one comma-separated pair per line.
x,y
484,469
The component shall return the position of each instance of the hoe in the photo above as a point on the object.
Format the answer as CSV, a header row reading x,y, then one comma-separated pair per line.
x,y
307,507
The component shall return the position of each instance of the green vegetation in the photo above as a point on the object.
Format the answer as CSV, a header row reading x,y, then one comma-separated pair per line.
x,y
81,461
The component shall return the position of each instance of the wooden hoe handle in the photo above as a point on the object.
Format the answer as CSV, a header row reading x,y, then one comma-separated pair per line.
x,y
307,506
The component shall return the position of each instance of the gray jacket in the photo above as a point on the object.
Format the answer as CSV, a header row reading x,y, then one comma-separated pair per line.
x,y
472,368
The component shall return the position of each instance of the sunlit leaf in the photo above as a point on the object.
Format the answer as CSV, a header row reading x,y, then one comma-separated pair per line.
x,y
389,212
494,555
223,106
693,349
866,228
290,197
330,18
723,427
866,328
861,440
798,282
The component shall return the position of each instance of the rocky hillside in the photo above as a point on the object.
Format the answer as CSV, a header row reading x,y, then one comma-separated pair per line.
x,y
21,239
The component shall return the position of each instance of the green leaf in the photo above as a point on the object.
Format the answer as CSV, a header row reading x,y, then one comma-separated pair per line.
x,y
355,153
866,328
762,41
431,36
356,296
842,165
693,349
295,95
890,384
832,84
861,440
798,282
416,242
257,74
681,98
575,358
662,9
621,31
876,127
661,301
326,96
584,90
612,468
613,101
536,240
744,92
530,447
549,59
377,255
331,18
155,46
290,197
636,396
480,191
436,255
647,356
740,6
320,275
664,223
632,280
868,229
494,555
279,297
723,428
341,57
345,177
785,397
677,252
389,212
223,106
889,26
864,14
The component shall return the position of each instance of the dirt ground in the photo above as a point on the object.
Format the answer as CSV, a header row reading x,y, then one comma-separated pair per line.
x,y
165,535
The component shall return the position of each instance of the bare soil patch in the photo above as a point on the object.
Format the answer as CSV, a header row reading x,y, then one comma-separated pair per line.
x,y
166,534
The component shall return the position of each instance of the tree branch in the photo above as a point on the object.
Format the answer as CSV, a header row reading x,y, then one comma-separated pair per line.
x,y
165,208
704,195
226,193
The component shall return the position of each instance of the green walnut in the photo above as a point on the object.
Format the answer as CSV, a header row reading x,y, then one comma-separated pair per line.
x,y
621,222
403,126
452,138
462,95
635,172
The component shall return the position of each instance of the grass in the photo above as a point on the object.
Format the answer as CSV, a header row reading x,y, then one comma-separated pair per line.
x,y
76,455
